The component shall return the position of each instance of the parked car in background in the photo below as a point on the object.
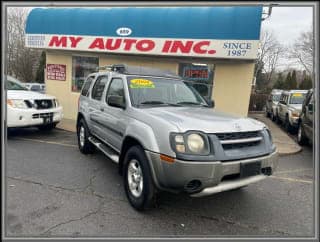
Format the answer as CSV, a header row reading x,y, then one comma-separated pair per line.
x,y
271,103
289,108
164,136
305,129
36,87
27,108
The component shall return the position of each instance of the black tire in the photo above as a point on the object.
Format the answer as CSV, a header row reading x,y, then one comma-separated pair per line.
x,y
273,116
301,137
47,127
267,114
86,147
288,126
277,119
147,198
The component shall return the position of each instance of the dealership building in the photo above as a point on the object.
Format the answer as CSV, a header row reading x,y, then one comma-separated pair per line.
x,y
213,48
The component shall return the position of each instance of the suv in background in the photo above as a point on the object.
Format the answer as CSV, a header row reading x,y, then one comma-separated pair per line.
x,y
305,130
289,108
272,102
164,136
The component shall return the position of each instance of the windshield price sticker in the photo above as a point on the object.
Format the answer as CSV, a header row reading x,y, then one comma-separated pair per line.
x,y
297,95
141,83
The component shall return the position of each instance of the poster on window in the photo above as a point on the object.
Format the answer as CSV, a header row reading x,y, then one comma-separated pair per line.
x,y
56,72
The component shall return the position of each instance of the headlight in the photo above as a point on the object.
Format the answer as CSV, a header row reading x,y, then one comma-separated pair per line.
x,y
295,114
17,103
190,143
195,143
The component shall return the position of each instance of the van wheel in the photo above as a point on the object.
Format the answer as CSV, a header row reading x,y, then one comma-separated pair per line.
x,y
288,126
85,146
273,116
302,139
138,182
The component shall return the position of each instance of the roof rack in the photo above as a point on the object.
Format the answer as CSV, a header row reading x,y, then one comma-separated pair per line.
x,y
138,70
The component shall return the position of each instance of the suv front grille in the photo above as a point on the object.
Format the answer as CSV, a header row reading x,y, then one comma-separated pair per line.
x,y
238,140
237,135
42,115
43,104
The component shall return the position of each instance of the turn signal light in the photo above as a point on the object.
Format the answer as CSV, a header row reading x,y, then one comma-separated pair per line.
x,y
166,158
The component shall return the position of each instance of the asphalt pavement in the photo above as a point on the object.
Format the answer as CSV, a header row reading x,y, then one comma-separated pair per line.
x,y
53,190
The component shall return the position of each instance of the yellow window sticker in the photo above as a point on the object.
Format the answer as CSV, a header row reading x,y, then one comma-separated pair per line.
x,y
297,94
141,83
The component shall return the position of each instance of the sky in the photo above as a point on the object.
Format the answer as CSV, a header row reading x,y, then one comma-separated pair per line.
x,y
287,23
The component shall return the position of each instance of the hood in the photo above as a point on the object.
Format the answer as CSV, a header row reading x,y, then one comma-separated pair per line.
x,y
297,107
27,95
204,119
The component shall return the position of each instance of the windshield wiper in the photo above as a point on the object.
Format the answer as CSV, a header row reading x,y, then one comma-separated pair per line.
x,y
191,103
157,103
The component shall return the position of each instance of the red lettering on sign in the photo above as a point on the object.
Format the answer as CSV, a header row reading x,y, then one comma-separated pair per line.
x,y
128,43
179,46
115,46
145,45
55,40
74,41
166,46
97,43
198,47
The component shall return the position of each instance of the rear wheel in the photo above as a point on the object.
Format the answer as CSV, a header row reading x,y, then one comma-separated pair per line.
x,y
85,146
138,182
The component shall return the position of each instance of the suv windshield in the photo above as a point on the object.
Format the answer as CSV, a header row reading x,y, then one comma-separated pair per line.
x,y
35,88
14,86
162,91
297,98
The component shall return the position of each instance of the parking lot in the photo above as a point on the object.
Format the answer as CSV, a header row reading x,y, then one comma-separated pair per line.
x,y
54,190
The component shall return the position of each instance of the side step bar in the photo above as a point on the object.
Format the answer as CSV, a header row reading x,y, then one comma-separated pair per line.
x,y
105,149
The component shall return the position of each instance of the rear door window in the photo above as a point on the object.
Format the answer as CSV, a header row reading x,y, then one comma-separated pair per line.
x,y
86,86
98,87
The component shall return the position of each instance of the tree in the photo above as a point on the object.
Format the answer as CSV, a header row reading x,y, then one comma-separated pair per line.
x,y
268,55
293,80
279,84
21,60
287,82
41,67
306,83
302,51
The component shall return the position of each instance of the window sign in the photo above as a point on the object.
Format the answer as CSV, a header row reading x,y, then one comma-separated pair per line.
x,y
82,66
199,76
56,72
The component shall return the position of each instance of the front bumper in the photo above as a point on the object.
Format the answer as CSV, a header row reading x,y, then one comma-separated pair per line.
x,y
214,177
31,117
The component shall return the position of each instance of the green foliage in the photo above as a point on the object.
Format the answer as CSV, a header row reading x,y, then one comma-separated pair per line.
x,y
42,66
306,83
279,84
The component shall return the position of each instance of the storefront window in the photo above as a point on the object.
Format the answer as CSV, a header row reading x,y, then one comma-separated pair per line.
x,y
82,66
200,76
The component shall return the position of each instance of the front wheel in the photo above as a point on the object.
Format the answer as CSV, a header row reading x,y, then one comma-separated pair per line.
x,y
85,146
302,139
138,182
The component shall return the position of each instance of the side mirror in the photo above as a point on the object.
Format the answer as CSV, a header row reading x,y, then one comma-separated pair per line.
x,y
310,107
210,103
116,101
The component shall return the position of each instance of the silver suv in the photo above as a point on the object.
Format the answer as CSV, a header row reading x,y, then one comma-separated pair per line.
x,y
289,108
164,136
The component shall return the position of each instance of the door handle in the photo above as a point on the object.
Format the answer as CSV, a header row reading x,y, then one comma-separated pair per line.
x,y
101,109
